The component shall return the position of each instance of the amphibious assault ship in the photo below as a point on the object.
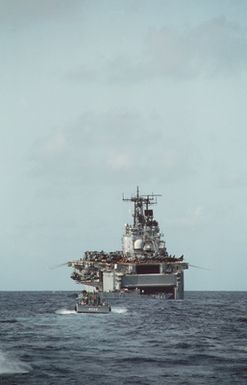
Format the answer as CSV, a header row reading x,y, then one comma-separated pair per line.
x,y
143,265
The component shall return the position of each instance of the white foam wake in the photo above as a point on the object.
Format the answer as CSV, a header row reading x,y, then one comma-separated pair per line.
x,y
65,311
119,310
10,364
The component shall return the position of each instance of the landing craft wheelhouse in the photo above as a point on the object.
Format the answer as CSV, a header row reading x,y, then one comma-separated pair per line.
x,y
143,264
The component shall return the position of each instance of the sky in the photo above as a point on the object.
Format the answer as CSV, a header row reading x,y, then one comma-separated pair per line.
x,y
100,96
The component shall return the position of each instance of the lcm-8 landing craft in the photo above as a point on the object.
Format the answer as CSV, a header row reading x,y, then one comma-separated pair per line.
x,y
143,264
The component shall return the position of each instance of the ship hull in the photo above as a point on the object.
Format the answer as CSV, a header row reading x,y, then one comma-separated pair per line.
x,y
101,309
171,285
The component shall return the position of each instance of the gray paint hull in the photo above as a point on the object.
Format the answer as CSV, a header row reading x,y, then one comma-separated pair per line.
x,y
101,309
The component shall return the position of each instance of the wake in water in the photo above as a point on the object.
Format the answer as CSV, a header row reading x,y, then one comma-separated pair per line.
x,y
116,310
65,311
119,310
12,365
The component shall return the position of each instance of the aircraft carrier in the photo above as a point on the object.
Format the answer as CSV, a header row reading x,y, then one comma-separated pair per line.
x,y
143,265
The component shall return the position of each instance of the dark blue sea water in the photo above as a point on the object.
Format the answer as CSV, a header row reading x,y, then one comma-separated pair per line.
x,y
144,341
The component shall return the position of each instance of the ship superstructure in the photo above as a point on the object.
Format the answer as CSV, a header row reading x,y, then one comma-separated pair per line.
x,y
143,264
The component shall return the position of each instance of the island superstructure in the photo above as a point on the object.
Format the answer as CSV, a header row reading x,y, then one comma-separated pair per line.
x,y
143,264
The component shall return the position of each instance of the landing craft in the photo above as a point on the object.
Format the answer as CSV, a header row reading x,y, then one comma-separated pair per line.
x,y
91,303
143,264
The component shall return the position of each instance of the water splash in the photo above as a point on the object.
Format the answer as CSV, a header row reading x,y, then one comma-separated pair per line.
x,y
65,311
10,364
116,310
119,310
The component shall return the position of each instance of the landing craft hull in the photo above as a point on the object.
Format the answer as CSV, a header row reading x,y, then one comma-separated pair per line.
x,y
103,309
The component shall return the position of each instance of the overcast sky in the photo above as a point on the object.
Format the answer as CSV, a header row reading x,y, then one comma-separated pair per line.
x,y
98,97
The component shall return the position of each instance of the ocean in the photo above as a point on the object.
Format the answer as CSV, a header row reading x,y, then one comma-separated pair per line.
x,y
201,340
